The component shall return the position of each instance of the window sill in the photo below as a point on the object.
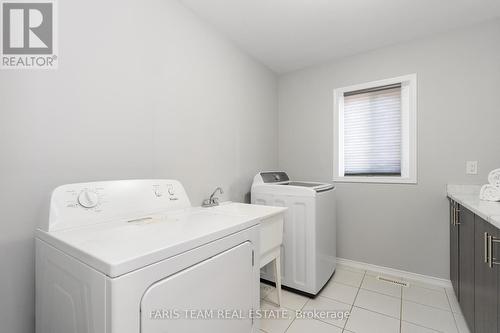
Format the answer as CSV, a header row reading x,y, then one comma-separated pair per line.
x,y
380,180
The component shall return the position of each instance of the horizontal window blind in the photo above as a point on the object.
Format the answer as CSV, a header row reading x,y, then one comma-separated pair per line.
x,y
372,131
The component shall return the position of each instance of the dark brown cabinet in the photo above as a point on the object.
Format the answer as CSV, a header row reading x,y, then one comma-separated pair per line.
x,y
486,274
454,248
466,264
475,268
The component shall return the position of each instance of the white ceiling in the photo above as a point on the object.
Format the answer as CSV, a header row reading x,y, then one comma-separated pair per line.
x,y
291,34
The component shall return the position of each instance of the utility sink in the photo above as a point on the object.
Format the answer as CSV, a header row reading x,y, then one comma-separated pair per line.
x,y
271,225
271,232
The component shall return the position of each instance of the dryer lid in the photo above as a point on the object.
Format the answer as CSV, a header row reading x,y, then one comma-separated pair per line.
x,y
119,247
120,226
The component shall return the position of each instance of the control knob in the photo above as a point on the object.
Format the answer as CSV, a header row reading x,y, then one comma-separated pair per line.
x,y
171,190
88,199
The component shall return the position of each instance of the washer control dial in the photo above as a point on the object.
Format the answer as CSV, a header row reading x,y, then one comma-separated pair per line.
x,y
171,190
88,199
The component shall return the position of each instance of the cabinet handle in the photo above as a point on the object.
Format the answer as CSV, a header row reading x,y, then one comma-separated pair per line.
x,y
454,213
492,240
490,260
485,247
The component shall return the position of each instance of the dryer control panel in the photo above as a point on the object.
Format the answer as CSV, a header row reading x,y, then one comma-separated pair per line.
x,y
81,204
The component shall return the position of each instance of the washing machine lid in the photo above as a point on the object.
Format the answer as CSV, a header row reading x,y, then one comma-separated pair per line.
x,y
304,184
317,187
116,248
279,179
274,177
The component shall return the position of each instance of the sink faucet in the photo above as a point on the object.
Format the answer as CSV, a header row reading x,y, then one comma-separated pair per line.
x,y
213,200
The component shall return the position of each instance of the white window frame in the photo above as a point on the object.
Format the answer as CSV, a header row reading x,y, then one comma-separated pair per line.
x,y
408,130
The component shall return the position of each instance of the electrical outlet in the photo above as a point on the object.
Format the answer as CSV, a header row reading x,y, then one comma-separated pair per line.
x,y
471,167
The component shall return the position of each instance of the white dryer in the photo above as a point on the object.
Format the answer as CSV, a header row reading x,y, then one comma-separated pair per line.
x,y
134,256
308,256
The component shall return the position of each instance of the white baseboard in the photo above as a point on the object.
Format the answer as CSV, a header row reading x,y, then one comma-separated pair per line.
x,y
396,272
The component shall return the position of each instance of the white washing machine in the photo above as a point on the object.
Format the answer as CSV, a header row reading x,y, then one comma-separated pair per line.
x,y
308,256
134,256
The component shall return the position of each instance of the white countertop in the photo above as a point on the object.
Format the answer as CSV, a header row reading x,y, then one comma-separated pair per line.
x,y
468,196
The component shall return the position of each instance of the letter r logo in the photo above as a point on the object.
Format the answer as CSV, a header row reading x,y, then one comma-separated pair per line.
x,y
27,28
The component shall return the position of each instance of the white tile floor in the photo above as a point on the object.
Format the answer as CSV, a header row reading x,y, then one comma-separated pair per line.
x,y
374,306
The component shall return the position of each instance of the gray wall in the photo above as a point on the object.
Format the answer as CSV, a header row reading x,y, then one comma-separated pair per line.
x,y
144,89
402,226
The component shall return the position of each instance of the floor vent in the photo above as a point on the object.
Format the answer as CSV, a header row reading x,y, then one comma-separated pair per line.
x,y
393,281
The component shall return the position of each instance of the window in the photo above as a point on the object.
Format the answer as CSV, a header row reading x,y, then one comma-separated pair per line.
x,y
375,131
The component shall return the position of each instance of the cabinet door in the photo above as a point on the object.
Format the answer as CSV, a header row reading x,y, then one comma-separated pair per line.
x,y
486,280
466,264
454,273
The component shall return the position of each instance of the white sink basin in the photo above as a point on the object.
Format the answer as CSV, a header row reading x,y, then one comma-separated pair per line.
x,y
253,211
271,225
271,232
